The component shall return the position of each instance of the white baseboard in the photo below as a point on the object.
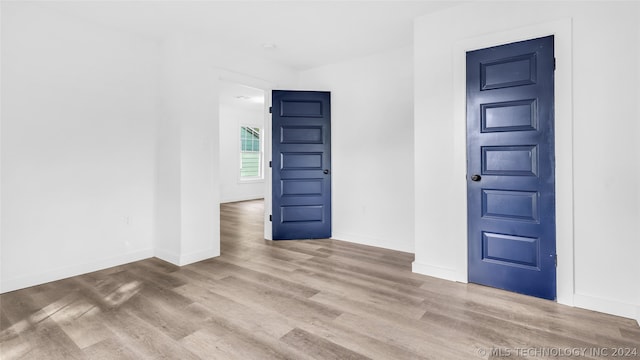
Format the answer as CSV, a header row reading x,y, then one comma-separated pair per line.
x,y
371,241
607,306
72,270
186,259
436,271
241,198
191,258
167,256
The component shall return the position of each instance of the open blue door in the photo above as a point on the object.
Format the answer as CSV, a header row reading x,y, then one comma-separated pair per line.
x,y
301,165
511,181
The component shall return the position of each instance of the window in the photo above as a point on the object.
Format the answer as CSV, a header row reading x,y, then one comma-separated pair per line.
x,y
250,153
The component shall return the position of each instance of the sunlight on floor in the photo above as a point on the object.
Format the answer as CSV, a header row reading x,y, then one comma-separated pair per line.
x,y
69,312
123,293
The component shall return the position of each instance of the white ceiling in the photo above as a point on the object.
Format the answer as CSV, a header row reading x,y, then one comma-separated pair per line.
x,y
307,33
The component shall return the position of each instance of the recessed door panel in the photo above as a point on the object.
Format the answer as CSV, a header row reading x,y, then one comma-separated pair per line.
x,y
301,135
301,160
301,109
510,205
509,250
509,160
302,213
511,167
518,115
508,72
297,187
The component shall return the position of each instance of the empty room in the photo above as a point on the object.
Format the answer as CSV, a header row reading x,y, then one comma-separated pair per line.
x,y
319,179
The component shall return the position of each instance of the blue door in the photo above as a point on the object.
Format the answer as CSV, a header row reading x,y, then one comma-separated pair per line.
x,y
301,165
510,167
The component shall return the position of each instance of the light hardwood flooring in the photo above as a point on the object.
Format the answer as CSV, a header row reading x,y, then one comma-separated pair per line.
x,y
312,299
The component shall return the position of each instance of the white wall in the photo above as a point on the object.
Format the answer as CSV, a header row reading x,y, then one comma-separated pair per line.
x,y
232,116
188,183
606,162
188,216
109,144
638,150
79,105
372,147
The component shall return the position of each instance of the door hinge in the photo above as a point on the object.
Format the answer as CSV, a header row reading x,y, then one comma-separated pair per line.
x,y
270,217
269,163
556,259
554,63
270,109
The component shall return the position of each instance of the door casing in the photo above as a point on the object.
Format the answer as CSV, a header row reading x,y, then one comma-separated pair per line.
x,y
562,30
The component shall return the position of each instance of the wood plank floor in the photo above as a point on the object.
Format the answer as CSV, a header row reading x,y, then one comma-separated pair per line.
x,y
320,299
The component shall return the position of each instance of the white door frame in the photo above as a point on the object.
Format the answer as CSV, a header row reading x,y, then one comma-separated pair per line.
x,y
562,30
266,86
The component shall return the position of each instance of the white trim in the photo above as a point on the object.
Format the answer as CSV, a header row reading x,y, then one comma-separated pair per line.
x,y
194,257
435,271
268,231
267,86
367,240
101,264
72,270
638,314
562,30
167,256
607,306
185,259
251,181
241,198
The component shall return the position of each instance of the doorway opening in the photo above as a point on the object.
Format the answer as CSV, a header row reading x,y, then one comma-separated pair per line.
x,y
561,29
242,145
242,161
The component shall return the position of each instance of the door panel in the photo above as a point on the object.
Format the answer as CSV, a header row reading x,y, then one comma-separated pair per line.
x,y
510,167
301,165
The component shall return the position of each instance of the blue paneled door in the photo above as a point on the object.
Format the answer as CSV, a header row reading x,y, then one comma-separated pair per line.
x,y
510,167
301,164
